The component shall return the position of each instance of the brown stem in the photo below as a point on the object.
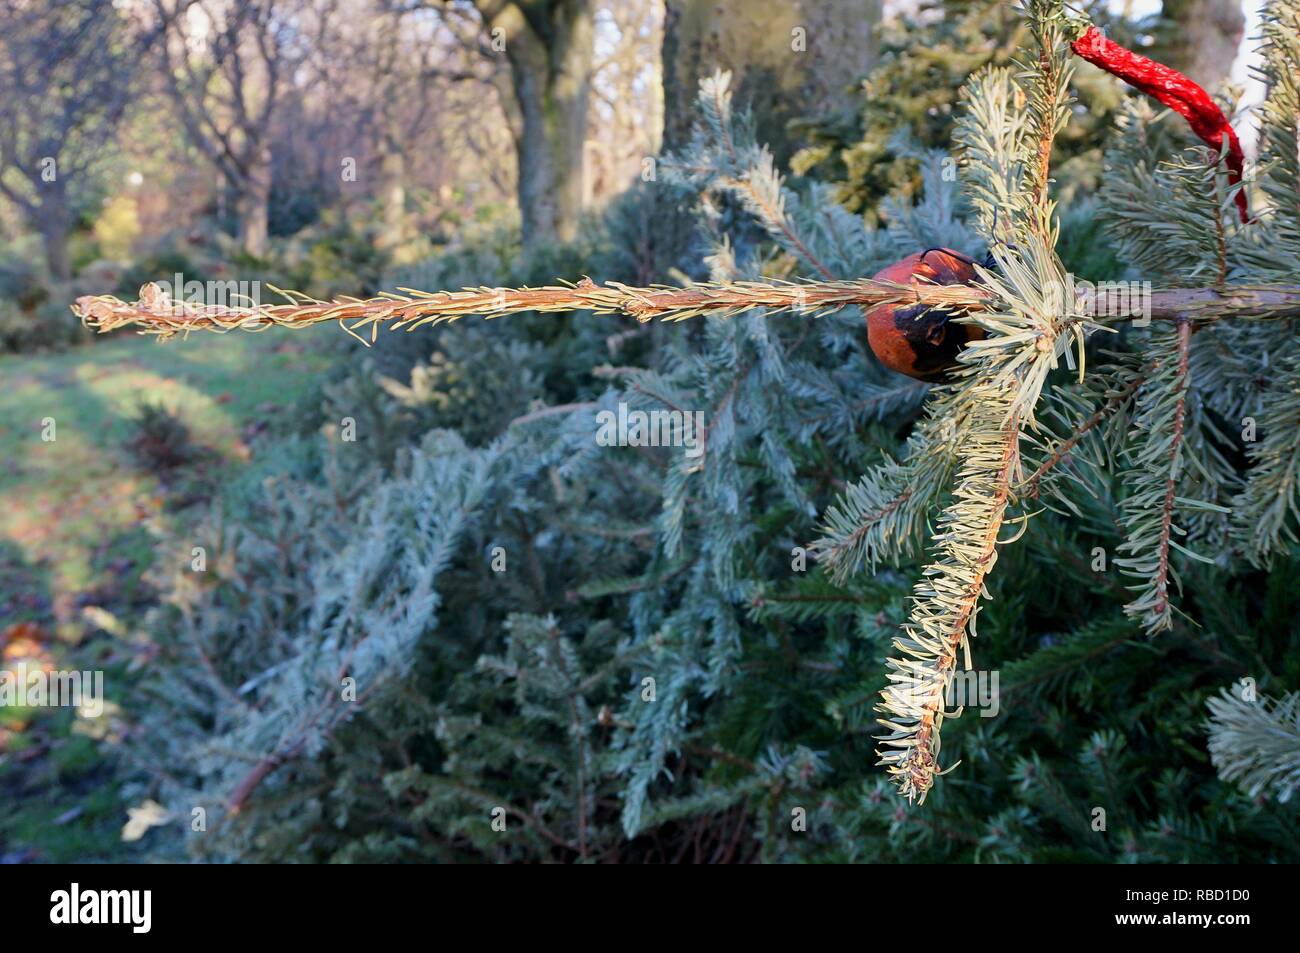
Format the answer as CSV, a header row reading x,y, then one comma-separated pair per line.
x,y
771,214
1221,247
865,526
922,764
1171,485
155,313
1067,445
550,412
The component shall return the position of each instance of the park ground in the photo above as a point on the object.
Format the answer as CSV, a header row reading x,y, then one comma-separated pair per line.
x,y
79,519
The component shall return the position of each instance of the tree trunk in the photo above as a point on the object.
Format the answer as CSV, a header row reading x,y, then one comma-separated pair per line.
x,y
54,222
789,59
550,51
253,196
1201,37
393,177
54,238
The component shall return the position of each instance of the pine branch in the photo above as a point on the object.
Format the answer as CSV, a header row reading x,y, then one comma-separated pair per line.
x,y
761,190
1171,216
1256,743
1063,449
1003,378
854,528
991,135
1048,84
1265,513
156,313
1175,456
1274,249
1154,475
947,596
881,517
1000,385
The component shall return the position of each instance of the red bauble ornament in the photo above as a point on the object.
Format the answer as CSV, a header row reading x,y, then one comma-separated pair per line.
x,y
919,340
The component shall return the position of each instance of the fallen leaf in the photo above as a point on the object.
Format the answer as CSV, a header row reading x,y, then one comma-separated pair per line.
x,y
101,618
21,630
147,815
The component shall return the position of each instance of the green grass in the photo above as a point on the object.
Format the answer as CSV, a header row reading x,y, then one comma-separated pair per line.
x,y
77,522
61,500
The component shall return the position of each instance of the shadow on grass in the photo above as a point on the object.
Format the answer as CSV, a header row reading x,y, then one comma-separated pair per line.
x,y
76,534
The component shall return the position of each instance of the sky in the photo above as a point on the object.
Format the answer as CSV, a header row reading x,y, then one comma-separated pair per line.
x,y
1241,75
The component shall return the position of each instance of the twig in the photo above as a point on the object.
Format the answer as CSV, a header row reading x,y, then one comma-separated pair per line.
x,y
551,411
1171,485
156,313
1069,444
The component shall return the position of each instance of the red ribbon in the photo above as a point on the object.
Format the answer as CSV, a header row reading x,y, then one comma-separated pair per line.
x,y
1174,90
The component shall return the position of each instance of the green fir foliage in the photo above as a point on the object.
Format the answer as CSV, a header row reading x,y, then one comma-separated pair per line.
x,y
474,632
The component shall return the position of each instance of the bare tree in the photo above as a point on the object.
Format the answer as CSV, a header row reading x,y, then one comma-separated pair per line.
x,y
398,61
388,74
227,65
625,122
548,45
789,58
66,68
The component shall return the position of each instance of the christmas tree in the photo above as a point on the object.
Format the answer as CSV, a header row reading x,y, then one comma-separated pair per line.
x,y
515,642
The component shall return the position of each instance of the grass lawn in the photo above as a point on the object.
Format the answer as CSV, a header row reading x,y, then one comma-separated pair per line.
x,y
77,516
